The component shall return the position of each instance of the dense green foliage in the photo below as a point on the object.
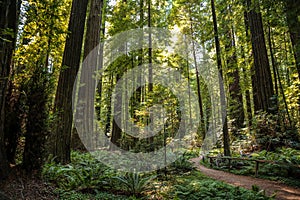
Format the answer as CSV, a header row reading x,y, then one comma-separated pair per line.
x,y
195,186
270,132
283,165
87,178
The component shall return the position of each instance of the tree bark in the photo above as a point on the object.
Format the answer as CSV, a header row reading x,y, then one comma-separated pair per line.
x,y
8,23
109,106
226,141
116,133
236,107
116,130
245,76
88,84
12,127
293,21
262,79
202,123
70,66
150,84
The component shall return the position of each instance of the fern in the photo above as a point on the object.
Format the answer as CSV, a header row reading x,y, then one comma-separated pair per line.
x,y
135,183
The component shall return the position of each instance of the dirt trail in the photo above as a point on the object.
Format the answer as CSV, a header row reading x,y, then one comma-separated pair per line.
x,y
282,191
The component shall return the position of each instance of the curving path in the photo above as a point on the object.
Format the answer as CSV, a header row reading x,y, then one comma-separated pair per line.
x,y
282,191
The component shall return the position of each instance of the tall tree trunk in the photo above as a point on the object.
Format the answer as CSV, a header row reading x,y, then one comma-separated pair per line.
x,y
273,60
236,110
8,22
245,76
116,133
116,130
109,106
202,123
70,66
262,79
12,126
138,93
226,141
102,36
292,15
150,85
88,84
276,73
248,100
199,95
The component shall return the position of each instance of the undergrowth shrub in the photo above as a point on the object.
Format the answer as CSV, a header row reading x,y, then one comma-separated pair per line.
x,y
182,164
84,173
134,183
271,131
285,167
286,162
88,175
211,189
87,178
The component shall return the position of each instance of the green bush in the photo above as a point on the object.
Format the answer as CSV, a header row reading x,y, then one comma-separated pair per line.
x,y
182,164
285,167
270,132
135,183
87,178
286,161
84,173
194,189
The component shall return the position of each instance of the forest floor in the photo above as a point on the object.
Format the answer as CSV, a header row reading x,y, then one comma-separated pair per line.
x,y
18,185
282,191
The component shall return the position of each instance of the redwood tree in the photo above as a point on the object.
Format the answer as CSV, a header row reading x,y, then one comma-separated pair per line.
x,y
236,109
292,14
70,66
8,32
226,141
87,89
262,79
